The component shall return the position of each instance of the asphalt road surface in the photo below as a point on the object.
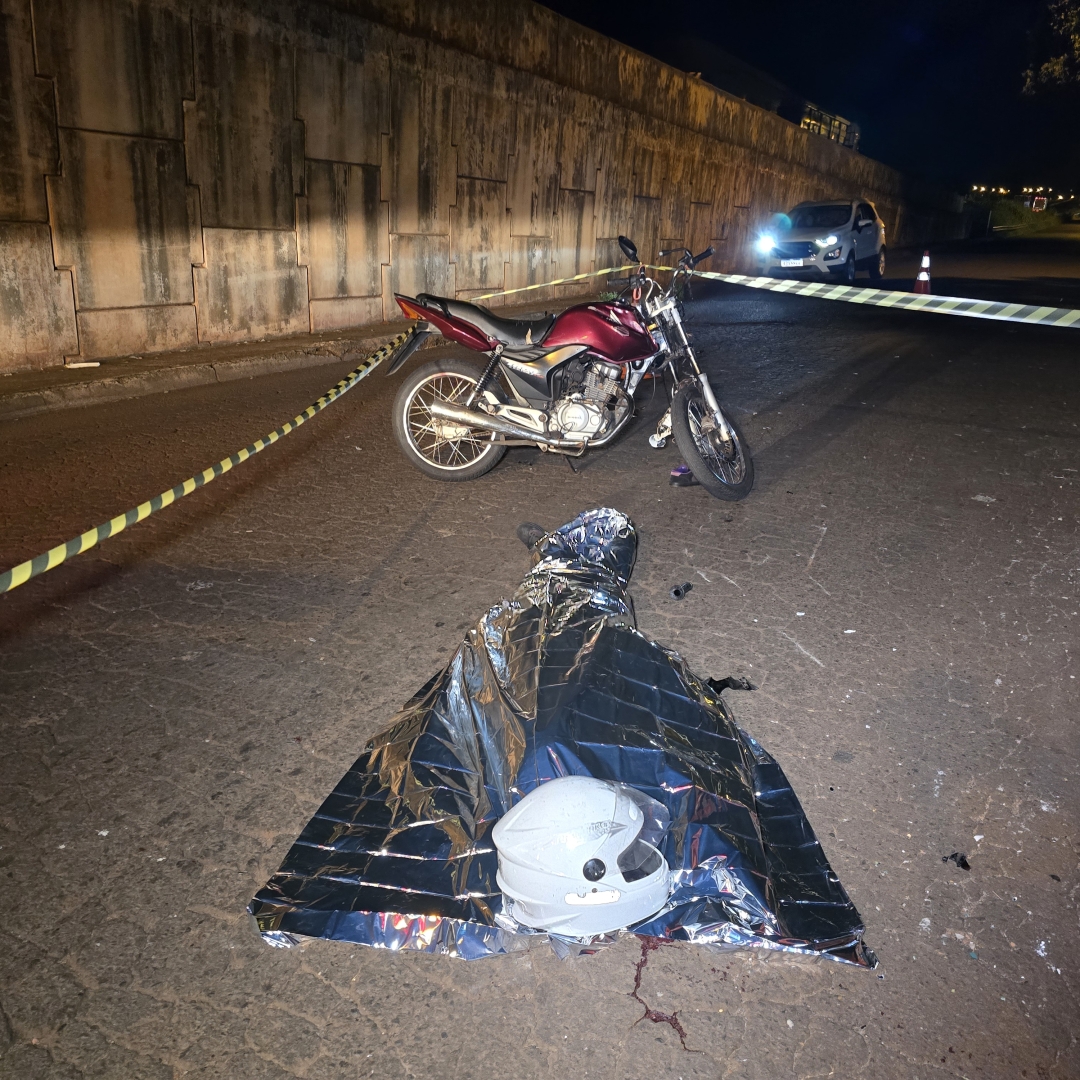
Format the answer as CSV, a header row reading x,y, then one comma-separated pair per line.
x,y
1040,269
901,584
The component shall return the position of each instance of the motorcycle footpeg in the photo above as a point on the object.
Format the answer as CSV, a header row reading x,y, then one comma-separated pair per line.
x,y
680,591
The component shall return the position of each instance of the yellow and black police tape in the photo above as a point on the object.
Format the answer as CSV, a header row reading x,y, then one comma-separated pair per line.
x,y
559,281
905,301
19,575
825,290
822,290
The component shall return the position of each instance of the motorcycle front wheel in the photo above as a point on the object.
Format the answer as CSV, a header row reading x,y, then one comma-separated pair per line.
x,y
724,469
440,448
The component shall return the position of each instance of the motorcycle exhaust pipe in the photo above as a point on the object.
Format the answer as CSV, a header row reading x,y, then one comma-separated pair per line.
x,y
486,422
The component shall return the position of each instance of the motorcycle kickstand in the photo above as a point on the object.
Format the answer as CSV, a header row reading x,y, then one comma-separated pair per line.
x,y
659,439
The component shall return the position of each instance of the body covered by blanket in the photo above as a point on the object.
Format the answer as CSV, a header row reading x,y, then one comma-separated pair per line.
x,y
558,681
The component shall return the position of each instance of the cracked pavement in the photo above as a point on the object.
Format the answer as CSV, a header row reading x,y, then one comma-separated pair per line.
x,y
901,585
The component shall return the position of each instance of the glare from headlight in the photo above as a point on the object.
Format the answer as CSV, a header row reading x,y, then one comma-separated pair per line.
x,y
765,244
827,241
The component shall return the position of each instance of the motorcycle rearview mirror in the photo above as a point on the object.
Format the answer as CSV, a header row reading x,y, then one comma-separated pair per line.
x,y
629,248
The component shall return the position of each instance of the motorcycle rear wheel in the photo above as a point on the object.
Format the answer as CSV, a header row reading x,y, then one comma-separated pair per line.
x,y
725,471
442,449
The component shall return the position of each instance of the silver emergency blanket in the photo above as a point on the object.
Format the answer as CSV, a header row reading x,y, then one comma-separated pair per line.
x,y
558,681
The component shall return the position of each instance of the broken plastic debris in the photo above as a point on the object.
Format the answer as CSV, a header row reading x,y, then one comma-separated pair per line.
x,y
983,498
732,682
959,858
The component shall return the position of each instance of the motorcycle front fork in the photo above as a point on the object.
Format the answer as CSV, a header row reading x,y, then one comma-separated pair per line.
x,y
663,428
715,412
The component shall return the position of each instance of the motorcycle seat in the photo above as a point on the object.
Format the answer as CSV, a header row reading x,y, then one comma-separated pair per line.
x,y
519,332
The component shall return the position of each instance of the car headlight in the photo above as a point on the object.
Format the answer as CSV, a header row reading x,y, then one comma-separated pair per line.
x,y
765,244
827,241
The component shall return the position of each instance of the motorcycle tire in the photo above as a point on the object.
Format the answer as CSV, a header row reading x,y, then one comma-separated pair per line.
x,y
724,471
439,448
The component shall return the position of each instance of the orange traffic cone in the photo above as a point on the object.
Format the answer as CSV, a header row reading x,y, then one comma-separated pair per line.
x,y
922,282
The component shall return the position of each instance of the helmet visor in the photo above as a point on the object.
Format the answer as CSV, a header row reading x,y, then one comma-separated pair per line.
x,y
639,860
642,859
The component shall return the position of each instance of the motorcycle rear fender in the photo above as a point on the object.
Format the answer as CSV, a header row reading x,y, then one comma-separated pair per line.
x,y
419,333
455,329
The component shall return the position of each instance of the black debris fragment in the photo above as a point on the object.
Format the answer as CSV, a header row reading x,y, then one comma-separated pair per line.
x,y
732,682
959,858
681,590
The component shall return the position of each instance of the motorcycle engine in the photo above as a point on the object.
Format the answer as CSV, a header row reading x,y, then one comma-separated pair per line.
x,y
585,411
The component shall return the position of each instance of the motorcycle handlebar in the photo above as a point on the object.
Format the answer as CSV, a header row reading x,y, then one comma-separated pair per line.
x,y
688,259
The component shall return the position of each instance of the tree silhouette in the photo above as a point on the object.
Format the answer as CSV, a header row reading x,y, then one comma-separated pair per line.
x,y
1058,42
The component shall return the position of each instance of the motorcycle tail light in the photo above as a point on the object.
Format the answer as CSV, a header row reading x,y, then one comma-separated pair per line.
x,y
410,311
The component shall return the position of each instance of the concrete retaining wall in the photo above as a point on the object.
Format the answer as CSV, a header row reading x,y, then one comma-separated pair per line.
x,y
175,173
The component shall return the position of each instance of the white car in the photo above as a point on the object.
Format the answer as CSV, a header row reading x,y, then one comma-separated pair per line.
x,y
826,238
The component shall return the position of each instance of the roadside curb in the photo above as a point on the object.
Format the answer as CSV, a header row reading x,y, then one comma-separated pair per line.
x,y
95,386
178,376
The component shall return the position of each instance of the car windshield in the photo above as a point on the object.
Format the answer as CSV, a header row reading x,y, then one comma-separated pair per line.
x,y
820,217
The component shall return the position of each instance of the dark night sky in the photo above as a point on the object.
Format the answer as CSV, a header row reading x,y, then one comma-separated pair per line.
x,y
934,84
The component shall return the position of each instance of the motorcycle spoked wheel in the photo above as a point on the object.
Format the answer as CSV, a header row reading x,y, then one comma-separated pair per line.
x,y
442,449
723,470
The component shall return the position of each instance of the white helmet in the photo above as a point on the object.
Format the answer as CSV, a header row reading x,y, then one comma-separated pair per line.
x,y
578,856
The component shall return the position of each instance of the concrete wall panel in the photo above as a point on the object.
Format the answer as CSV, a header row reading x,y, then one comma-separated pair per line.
x,y
342,230
345,312
122,331
27,121
343,98
532,191
241,135
481,133
120,220
251,286
578,150
120,65
480,234
575,233
423,169
510,146
701,232
530,264
418,264
37,309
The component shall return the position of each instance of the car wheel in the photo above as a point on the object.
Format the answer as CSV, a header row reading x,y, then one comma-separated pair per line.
x,y
877,268
847,275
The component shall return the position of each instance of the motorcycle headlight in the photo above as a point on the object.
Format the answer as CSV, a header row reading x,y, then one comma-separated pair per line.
x,y
826,241
765,244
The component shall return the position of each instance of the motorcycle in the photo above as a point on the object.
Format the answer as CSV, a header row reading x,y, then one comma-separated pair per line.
x,y
567,385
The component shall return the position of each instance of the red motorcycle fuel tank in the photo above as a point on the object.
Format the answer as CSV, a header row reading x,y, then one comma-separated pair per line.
x,y
613,331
